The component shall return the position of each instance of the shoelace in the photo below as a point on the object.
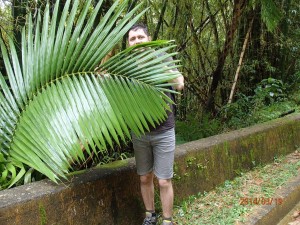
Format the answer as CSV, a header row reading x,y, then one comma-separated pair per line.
x,y
147,221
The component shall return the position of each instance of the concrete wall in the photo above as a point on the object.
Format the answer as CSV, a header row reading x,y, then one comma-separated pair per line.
x,y
110,194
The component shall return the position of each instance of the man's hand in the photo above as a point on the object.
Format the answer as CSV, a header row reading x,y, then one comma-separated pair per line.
x,y
179,83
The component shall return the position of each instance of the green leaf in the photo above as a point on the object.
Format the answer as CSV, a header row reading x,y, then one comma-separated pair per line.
x,y
55,112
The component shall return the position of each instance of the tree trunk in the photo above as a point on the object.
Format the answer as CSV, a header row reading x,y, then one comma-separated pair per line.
x,y
240,62
160,21
131,5
2,68
239,5
18,14
212,19
285,62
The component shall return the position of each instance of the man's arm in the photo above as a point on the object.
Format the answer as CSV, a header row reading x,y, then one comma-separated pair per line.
x,y
178,81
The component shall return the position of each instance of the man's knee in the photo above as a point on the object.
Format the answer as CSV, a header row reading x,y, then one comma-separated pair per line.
x,y
165,183
146,179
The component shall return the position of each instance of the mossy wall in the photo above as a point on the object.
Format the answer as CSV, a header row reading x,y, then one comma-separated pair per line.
x,y
106,195
211,161
110,194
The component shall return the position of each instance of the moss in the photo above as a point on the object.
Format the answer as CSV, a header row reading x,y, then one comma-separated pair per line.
x,y
114,165
190,161
43,215
253,155
176,176
187,167
226,147
226,160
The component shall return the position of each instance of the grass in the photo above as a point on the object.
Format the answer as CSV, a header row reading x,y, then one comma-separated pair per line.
x,y
232,202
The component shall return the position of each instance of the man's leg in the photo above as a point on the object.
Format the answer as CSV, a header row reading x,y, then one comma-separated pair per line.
x,y
147,190
166,197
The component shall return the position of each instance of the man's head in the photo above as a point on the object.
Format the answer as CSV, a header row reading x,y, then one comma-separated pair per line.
x,y
137,34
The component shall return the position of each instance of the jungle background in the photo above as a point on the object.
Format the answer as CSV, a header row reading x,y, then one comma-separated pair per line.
x,y
240,59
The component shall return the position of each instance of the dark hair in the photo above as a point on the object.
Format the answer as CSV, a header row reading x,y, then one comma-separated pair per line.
x,y
138,26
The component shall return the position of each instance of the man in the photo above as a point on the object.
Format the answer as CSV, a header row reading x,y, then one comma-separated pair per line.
x,y
154,151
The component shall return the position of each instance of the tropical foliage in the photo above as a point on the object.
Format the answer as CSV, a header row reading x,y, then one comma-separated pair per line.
x,y
211,37
240,58
59,104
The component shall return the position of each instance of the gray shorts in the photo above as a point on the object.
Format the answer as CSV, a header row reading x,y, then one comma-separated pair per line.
x,y
154,151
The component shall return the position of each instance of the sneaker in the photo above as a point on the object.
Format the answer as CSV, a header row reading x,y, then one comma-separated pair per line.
x,y
167,222
150,219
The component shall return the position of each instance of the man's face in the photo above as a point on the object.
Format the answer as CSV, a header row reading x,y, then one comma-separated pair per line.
x,y
137,36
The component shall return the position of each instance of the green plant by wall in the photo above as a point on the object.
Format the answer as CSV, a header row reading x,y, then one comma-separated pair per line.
x,y
271,100
194,128
270,90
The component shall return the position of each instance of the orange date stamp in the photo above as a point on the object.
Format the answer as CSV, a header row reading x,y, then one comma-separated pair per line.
x,y
260,201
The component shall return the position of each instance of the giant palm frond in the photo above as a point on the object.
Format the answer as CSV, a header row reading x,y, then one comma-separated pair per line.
x,y
54,102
